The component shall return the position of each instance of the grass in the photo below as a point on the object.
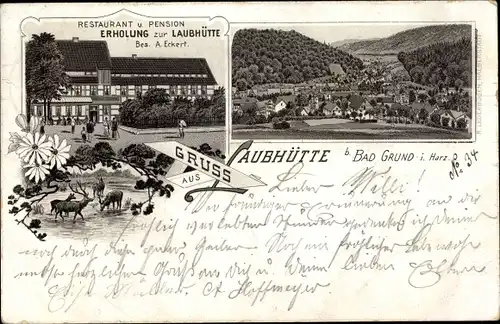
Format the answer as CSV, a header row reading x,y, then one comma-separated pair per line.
x,y
38,210
298,134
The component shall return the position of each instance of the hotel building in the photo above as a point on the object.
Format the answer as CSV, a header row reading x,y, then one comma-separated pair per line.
x,y
100,83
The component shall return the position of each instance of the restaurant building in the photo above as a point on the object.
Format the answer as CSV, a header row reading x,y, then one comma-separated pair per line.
x,y
100,83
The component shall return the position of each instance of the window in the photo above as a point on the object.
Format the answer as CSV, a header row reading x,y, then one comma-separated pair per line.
x,y
152,87
93,90
123,90
107,90
79,110
168,75
137,90
68,111
173,91
77,90
184,90
193,90
58,111
204,90
106,110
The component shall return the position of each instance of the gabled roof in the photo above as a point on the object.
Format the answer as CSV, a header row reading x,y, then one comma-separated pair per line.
x,y
164,65
456,114
417,106
240,101
356,101
161,81
84,55
330,106
286,99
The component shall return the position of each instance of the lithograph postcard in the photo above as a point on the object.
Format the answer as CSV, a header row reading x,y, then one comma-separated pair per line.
x,y
229,162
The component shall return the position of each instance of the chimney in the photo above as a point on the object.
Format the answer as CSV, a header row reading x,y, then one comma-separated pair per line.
x,y
75,39
134,56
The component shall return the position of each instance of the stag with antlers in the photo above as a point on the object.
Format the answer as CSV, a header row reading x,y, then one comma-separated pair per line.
x,y
74,206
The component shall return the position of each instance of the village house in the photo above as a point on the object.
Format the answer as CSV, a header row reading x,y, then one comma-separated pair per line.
x,y
239,102
402,98
450,118
282,101
99,83
265,108
330,109
417,107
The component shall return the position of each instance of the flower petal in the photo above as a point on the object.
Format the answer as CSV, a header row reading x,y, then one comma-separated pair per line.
x,y
44,170
30,171
28,158
36,138
56,141
22,151
28,140
65,149
47,145
41,140
64,144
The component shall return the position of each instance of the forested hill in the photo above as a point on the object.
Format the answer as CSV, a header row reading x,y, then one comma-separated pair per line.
x,y
410,40
446,64
276,56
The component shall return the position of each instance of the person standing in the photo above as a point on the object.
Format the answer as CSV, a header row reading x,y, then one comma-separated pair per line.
x,y
90,130
114,128
73,124
42,127
84,134
182,124
106,127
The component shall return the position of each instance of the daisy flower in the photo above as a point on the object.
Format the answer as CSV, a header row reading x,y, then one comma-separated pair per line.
x,y
37,172
59,153
34,148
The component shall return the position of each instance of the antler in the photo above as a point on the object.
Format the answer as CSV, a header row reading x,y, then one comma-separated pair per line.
x,y
81,191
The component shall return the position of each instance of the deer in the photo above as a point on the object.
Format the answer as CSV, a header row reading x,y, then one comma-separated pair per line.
x,y
98,187
111,198
54,203
74,206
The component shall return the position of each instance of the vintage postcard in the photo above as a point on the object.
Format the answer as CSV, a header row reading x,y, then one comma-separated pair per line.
x,y
230,162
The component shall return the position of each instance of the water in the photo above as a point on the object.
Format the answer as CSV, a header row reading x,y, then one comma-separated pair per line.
x,y
101,226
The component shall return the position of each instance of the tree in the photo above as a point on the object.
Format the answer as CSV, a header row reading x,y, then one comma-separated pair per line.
x,y
242,84
45,76
412,97
423,114
461,123
156,96
217,106
436,119
458,84
422,97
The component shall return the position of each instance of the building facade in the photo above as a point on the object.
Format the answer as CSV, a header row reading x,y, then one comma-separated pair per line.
x,y
99,83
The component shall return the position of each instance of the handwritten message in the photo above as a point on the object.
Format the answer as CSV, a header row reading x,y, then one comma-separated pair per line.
x,y
282,244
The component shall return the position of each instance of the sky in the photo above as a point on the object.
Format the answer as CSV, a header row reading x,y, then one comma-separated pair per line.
x,y
337,32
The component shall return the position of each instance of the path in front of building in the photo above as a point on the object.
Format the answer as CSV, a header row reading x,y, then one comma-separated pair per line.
x,y
215,139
